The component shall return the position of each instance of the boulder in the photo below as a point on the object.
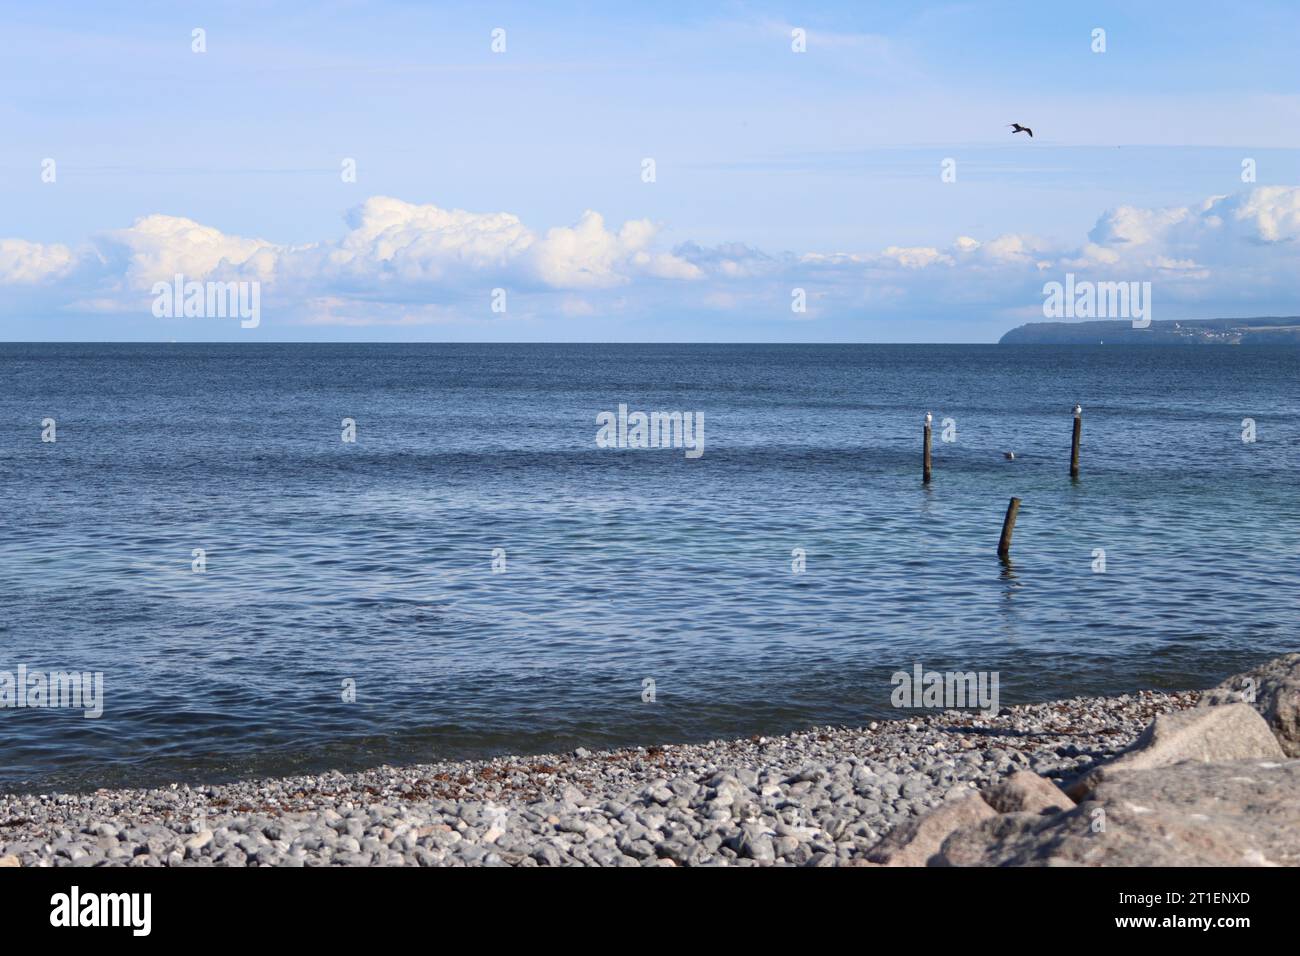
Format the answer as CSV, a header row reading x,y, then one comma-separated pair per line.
x,y
914,842
1201,734
1242,813
1273,689
1026,792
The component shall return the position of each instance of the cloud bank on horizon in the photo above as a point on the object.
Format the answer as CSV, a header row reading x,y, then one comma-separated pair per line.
x,y
410,265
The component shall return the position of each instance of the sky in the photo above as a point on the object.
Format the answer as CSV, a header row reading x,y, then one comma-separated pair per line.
x,y
640,172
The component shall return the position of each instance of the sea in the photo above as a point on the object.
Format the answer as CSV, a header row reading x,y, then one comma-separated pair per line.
x,y
477,571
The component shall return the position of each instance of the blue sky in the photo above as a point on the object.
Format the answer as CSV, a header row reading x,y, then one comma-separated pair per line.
x,y
522,170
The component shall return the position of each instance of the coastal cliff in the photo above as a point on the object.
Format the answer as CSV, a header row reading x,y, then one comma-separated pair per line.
x,y
1269,330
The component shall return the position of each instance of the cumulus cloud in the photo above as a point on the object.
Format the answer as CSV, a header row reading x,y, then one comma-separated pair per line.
x,y
414,243
158,247
405,263
396,243
916,257
388,242
23,262
1270,214
1129,225
587,255
1222,230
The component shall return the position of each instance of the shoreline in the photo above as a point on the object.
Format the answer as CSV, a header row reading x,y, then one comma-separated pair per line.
x,y
821,796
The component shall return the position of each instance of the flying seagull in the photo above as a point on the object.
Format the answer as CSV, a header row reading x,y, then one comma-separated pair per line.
x,y
1017,128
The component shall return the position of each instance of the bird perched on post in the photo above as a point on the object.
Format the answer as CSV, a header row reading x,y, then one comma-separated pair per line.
x,y
1017,128
928,419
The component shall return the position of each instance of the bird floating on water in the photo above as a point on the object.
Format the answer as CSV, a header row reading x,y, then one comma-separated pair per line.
x,y
1009,455
1017,128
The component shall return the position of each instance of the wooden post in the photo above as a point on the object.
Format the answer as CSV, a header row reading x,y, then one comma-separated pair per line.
x,y
1074,445
925,452
1008,526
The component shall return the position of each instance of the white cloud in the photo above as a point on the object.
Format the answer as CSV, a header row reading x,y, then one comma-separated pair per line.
x,y
1129,225
587,255
402,263
417,243
916,257
158,247
29,262
1268,214
389,242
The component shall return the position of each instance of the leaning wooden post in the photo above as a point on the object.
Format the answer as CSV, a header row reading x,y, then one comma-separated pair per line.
x,y
925,452
1008,526
1074,445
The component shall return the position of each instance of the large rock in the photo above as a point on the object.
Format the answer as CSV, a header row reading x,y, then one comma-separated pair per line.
x,y
914,842
1201,735
1243,813
1026,792
1273,689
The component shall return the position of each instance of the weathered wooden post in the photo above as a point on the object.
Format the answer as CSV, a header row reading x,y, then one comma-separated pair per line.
x,y
925,452
1074,445
1008,526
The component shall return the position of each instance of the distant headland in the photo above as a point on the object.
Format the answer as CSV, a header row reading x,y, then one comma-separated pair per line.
x,y
1265,330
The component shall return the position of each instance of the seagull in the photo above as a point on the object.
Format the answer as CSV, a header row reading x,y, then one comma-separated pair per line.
x,y
1017,128
1009,455
928,418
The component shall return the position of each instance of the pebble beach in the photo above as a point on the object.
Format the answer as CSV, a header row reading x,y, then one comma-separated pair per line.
x,y
818,797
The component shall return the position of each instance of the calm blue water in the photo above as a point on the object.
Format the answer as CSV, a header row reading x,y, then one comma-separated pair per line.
x,y
372,561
